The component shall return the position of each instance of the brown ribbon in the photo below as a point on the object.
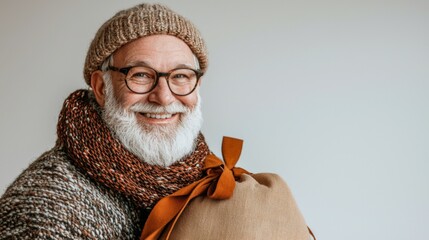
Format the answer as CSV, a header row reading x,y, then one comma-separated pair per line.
x,y
219,183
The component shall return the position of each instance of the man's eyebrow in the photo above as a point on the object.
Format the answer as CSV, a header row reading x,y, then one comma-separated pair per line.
x,y
146,64
184,66
138,63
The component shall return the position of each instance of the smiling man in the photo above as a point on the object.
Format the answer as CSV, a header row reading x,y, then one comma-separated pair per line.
x,y
131,139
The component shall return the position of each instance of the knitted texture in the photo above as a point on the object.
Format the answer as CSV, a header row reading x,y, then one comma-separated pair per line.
x,y
139,21
91,146
52,199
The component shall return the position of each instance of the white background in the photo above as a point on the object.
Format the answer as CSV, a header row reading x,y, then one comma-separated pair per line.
x,y
332,95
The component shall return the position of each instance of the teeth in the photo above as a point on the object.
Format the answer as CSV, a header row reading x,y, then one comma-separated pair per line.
x,y
158,116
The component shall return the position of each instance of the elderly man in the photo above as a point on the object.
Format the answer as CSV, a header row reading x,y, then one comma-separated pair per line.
x,y
126,146
130,140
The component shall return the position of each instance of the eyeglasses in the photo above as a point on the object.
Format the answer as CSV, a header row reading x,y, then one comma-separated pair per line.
x,y
141,80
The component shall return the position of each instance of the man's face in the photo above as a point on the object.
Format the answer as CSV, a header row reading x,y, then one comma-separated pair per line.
x,y
162,53
158,127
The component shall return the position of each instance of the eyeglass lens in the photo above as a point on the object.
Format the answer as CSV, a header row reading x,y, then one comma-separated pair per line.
x,y
142,79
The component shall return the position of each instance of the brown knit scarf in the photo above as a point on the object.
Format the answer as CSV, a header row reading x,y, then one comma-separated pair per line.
x,y
92,148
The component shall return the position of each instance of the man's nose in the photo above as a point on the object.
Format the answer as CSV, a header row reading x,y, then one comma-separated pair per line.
x,y
161,94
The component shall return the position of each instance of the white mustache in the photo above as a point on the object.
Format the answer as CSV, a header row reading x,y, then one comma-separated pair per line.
x,y
173,108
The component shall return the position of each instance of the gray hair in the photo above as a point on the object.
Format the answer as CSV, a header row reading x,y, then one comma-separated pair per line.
x,y
107,77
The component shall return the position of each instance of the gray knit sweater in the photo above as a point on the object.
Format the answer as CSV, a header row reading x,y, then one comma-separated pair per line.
x,y
52,199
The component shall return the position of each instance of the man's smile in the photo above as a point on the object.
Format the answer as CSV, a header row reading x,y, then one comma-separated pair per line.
x,y
158,115
158,118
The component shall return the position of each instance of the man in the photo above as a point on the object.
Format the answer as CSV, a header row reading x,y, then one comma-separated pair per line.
x,y
133,140
130,140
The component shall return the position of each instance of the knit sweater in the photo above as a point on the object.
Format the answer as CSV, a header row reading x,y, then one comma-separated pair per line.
x,y
52,199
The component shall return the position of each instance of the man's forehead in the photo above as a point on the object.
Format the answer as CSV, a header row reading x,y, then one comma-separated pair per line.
x,y
147,51
146,63
158,43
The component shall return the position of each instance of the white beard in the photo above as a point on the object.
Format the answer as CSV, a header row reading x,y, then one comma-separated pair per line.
x,y
155,145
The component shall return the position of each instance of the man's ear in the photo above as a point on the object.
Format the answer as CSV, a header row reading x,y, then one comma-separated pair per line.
x,y
97,85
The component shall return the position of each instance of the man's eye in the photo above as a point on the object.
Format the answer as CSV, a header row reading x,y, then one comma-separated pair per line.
x,y
141,78
180,76
142,75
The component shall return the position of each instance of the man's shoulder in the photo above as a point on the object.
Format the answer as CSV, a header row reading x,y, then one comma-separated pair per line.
x,y
54,177
51,170
54,198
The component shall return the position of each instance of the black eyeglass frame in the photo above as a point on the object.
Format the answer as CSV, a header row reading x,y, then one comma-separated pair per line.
x,y
125,71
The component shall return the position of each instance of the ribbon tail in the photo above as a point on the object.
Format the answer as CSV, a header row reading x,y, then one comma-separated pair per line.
x,y
170,208
198,191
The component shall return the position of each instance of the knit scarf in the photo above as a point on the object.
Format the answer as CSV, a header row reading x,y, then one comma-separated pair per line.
x,y
93,148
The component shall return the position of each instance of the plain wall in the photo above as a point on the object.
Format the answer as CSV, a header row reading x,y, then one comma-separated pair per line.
x,y
331,95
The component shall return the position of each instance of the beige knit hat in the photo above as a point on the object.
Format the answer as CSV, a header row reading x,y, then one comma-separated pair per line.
x,y
139,21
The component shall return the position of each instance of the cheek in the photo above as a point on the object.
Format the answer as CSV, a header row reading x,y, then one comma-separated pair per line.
x,y
130,99
190,100
126,98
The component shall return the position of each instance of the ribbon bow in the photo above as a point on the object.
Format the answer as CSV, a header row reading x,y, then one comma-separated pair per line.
x,y
219,183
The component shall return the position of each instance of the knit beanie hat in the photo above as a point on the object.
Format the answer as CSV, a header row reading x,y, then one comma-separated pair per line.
x,y
139,21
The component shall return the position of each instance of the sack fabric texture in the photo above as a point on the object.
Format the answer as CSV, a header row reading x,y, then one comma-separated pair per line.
x,y
262,207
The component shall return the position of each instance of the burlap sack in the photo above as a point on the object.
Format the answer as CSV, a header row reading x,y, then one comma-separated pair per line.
x,y
262,207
